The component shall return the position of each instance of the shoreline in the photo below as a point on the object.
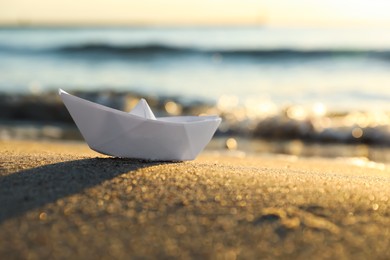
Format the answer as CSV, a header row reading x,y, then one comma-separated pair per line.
x,y
259,119
249,146
62,200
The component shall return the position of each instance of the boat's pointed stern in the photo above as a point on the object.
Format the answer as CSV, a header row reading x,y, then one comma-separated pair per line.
x,y
61,91
89,118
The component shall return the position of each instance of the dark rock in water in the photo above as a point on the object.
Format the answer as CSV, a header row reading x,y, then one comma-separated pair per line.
x,y
38,130
47,107
280,127
284,128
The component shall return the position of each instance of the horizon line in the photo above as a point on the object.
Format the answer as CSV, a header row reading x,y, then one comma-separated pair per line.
x,y
65,24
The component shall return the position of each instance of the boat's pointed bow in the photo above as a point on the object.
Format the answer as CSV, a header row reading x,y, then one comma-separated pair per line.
x,y
200,134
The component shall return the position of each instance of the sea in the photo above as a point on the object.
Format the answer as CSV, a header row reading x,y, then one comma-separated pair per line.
x,y
341,68
336,78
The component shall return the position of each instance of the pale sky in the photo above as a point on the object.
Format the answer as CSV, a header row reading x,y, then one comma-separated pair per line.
x,y
199,12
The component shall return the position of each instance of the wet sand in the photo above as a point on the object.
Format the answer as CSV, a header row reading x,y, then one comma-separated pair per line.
x,y
61,200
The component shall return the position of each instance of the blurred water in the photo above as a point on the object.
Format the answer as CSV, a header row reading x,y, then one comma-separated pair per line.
x,y
342,69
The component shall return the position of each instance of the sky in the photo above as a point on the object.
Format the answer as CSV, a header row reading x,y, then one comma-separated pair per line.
x,y
372,13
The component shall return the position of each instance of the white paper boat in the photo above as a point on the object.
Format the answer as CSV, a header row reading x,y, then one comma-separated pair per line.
x,y
139,134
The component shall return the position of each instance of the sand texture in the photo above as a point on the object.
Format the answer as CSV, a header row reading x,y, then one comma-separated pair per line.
x,y
63,201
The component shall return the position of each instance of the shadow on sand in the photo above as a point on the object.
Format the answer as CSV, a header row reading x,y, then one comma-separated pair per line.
x,y
33,188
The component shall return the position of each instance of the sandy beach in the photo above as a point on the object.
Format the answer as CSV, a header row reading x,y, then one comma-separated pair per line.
x,y
60,200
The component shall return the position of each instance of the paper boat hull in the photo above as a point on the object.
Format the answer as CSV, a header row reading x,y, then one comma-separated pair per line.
x,y
120,134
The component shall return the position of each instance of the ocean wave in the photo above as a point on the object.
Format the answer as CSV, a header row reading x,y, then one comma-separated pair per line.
x,y
118,49
255,53
105,49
